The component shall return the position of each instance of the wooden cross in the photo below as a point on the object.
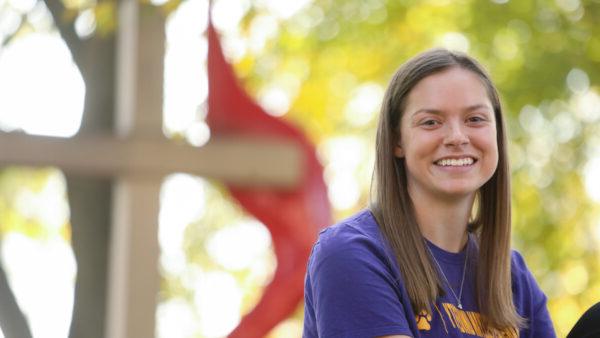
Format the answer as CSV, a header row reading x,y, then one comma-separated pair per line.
x,y
136,156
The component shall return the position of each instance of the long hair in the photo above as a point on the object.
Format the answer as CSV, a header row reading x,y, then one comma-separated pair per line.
x,y
394,210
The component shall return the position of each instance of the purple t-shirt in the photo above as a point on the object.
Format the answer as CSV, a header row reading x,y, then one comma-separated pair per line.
x,y
353,290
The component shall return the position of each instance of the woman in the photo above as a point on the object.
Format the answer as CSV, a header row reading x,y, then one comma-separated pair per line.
x,y
431,257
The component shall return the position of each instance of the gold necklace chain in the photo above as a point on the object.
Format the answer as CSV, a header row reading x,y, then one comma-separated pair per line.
x,y
459,298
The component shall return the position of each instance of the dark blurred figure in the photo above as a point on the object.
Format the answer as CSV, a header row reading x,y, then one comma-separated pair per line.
x,y
588,326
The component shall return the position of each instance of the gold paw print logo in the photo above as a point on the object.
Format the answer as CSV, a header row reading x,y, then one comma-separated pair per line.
x,y
423,321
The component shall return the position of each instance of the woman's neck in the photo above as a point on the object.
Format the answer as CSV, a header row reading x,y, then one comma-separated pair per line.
x,y
443,221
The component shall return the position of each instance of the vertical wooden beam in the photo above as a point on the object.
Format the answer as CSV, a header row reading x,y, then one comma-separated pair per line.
x,y
140,70
150,64
134,278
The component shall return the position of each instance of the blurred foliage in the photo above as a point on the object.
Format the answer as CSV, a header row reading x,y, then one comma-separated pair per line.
x,y
218,213
329,53
21,203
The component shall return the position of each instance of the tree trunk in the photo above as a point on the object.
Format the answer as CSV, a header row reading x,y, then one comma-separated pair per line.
x,y
90,199
90,204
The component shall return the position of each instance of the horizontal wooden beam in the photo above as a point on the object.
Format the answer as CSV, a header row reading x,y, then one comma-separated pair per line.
x,y
242,161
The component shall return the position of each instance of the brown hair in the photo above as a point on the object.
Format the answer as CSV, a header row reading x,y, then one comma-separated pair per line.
x,y
393,208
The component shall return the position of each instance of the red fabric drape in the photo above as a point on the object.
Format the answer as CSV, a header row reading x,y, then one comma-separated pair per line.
x,y
293,217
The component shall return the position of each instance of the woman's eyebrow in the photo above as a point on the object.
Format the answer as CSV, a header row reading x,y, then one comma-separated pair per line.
x,y
478,106
439,112
427,110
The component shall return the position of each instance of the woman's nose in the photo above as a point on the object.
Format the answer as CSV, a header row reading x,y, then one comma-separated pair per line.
x,y
456,135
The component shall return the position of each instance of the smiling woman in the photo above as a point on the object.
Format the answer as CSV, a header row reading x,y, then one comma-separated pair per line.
x,y
431,256
448,135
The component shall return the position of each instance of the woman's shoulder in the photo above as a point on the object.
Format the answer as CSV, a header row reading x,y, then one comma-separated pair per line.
x,y
362,222
524,285
529,299
358,234
519,267
522,277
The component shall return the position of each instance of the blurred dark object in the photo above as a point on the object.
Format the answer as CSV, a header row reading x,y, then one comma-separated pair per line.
x,y
588,326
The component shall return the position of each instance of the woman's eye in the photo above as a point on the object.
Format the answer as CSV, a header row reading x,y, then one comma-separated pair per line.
x,y
475,119
429,123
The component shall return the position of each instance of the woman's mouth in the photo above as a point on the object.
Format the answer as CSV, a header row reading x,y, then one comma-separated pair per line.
x,y
456,162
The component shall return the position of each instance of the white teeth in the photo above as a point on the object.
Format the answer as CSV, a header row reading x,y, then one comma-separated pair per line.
x,y
455,162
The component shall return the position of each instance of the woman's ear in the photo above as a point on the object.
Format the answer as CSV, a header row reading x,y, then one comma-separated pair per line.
x,y
398,151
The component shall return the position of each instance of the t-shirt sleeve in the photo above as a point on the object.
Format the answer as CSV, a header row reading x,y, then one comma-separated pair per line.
x,y
353,292
532,300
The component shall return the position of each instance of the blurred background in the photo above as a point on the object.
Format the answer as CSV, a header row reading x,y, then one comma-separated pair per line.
x,y
322,65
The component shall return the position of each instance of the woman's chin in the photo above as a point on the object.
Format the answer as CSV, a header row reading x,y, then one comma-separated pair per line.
x,y
458,192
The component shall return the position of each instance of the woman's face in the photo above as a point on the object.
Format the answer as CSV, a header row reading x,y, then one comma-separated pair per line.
x,y
448,135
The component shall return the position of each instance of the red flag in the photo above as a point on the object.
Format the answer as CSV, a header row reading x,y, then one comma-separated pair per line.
x,y
293,217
